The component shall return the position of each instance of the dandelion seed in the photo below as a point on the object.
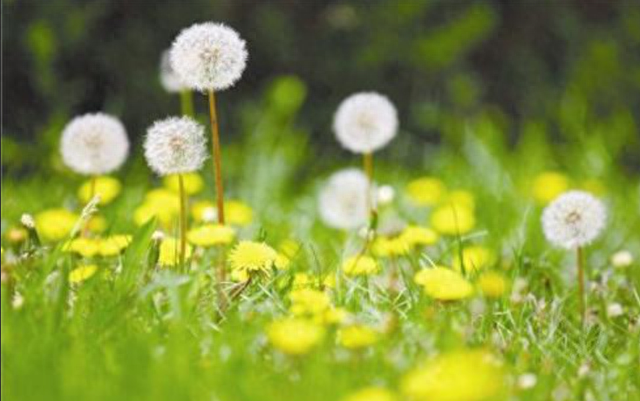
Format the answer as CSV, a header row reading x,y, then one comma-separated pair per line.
x,y
574,219
28,221
94,144
209,56
343,200
175,146
169,79
386,194
622,259
614,310
527,381
365,122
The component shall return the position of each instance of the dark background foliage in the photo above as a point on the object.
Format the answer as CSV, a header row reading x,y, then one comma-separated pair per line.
x,y
567,69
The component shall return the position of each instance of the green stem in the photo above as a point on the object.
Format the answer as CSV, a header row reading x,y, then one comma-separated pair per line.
x,y
186,103
183,222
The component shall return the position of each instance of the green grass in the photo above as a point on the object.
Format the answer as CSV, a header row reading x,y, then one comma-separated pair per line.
x,y
133,332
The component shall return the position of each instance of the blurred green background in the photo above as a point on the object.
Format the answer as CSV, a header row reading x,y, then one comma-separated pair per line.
x,y
523,71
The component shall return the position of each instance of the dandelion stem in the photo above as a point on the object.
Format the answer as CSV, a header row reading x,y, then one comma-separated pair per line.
x,y
581,292
217,162
92,194
186,103
368,169
183,221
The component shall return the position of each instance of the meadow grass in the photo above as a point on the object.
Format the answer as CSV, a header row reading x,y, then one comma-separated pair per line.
x,y
138,332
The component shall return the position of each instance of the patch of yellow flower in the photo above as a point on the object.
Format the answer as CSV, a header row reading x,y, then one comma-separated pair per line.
x,y
548,185
453,219
55,224
426,191
82,273
249,257
360,265
295,336
170,252
492,284
444,284
161,204
464,375
357,336
372,394
90,247
401,244
236,213
307,301
193,183
108,188
474,258
210,235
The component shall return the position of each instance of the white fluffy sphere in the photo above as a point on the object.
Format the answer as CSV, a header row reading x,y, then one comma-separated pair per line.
x,y
94,144
365,122
170,81
175,145
343,200
209,56
574,219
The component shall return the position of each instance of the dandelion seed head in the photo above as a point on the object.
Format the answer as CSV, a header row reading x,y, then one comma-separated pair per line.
x,y
28,221
94,144
209,56
169,79
175,146
574,219
343,200
365,122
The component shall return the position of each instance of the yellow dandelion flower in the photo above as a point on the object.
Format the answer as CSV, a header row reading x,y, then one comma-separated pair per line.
x,y
453,220
252,257
443,284
163,197
548,185
193,183
148,210
203,211
302,280
391,246
55,224
357,336
170,252
307,301
329,280
461,198
426,191
82,273
492,284
108,188
86,247
238,213
289,247
419,236
294,336
475,258
335,315
282,262
372,394
360,266
97,224
113,245
211,235
466,375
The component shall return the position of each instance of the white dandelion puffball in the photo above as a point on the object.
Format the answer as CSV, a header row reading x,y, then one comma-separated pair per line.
x,y
343,200
574,219
365,122
175,145
170,81
209,56
94,144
